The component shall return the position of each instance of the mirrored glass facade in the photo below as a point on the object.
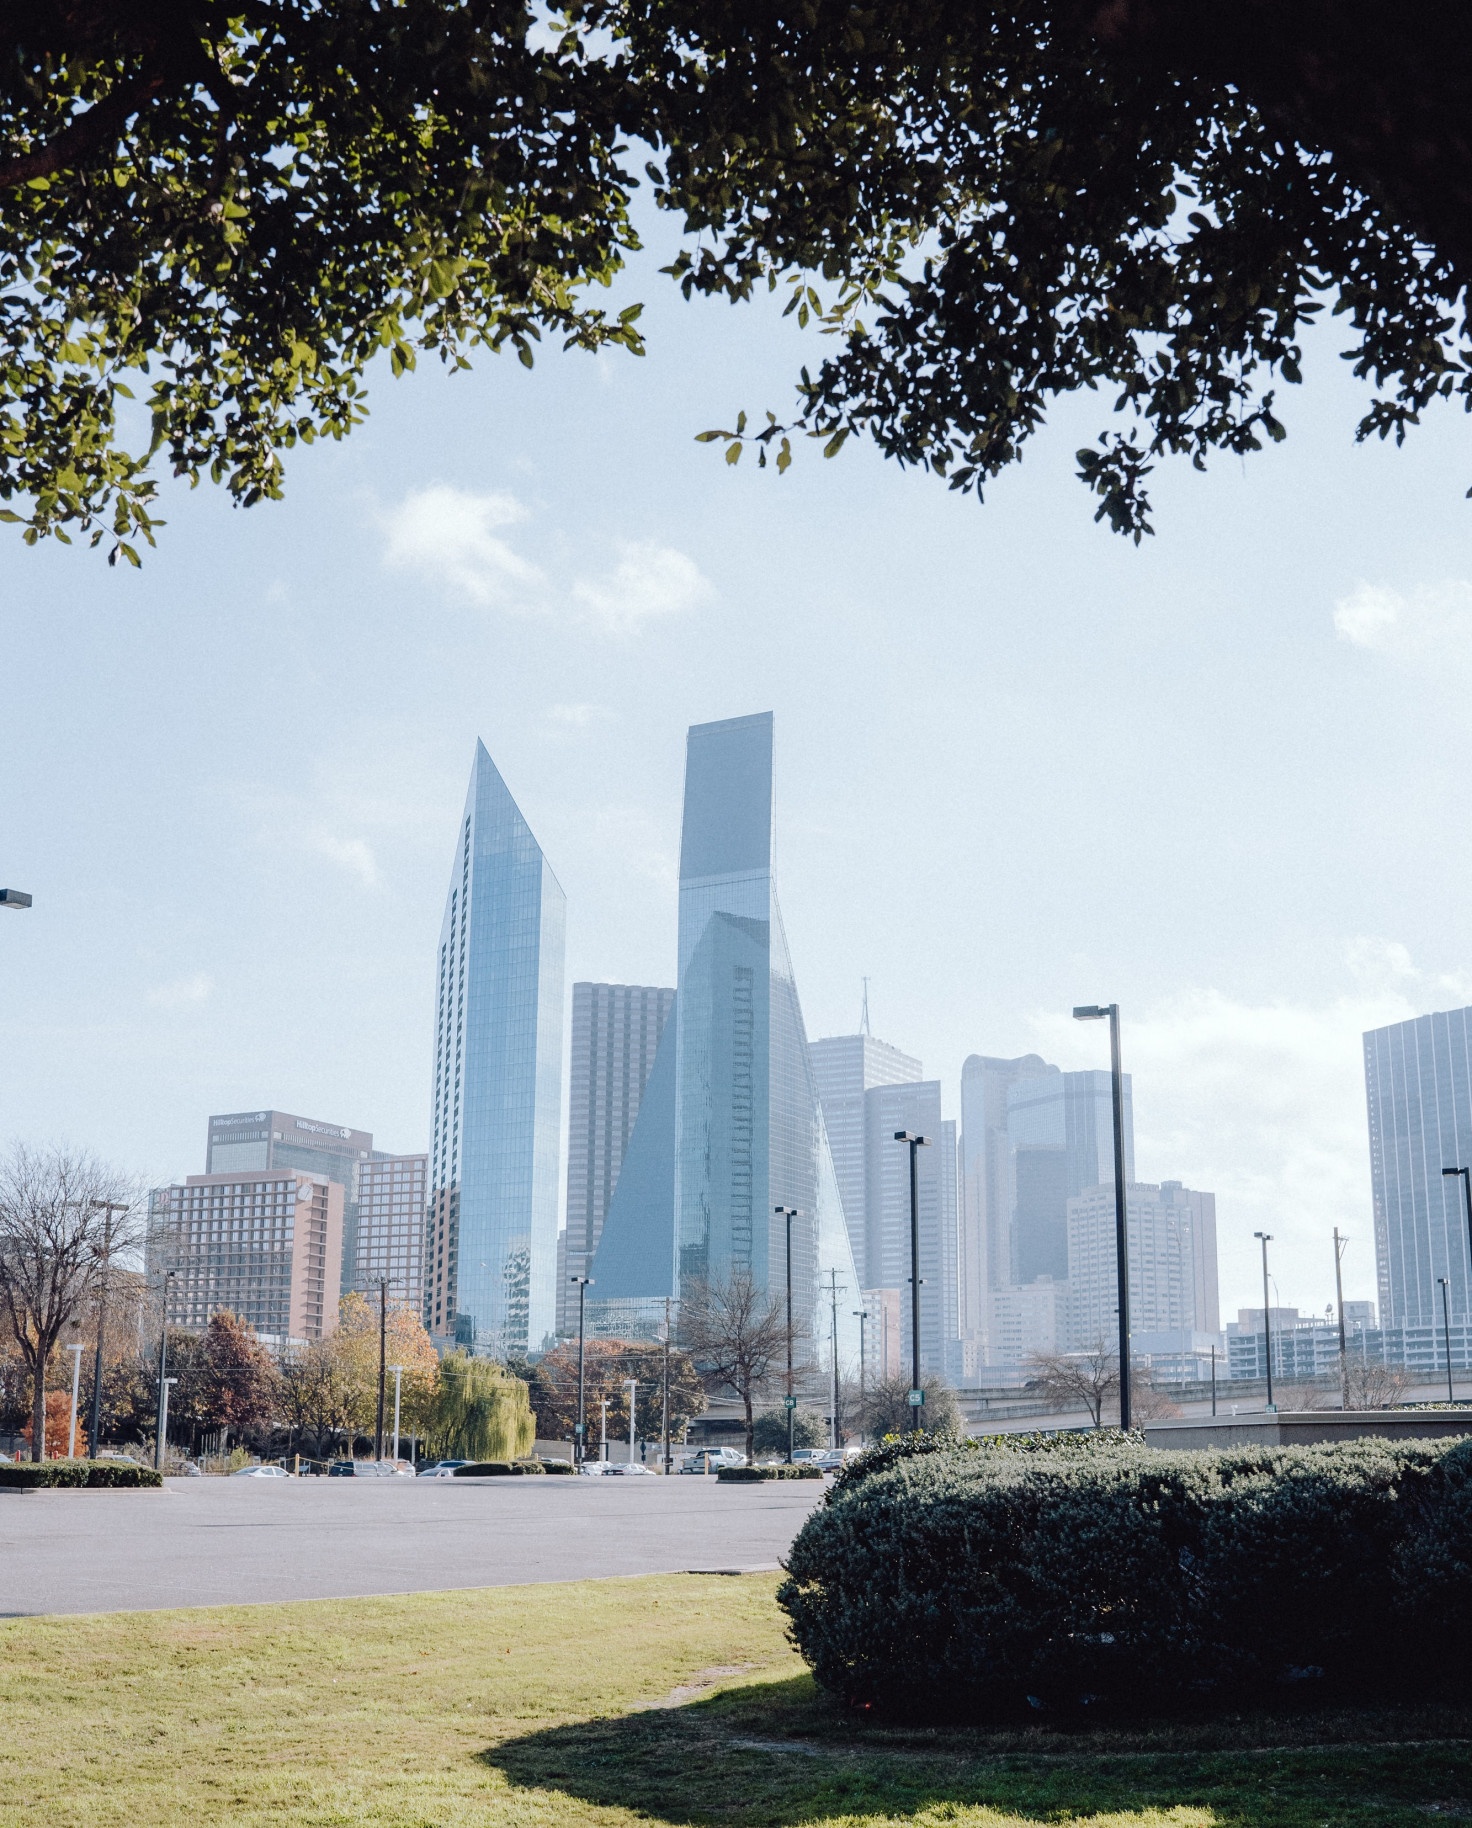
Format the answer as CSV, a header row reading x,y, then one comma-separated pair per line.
x,y
491,1247
749,1135
1418,1086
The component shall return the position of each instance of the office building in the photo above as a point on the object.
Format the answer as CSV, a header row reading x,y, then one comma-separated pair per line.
x,y
1418,1089
496,1103
389,1244
258,1141
915,1108
1060,1128
985,1193
884,1333
749,1131
845,1067
265,1246
1025,1321
1172,1263
616,1031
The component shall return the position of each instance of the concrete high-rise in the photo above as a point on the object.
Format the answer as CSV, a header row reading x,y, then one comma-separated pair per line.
x,y
1418,1087
255,1141
986,1185
845,1067
389,1241
1172,1261
616,1031
266,1245
496,1105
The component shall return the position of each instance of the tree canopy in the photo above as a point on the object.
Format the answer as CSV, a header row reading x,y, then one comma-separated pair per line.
x,y
228,208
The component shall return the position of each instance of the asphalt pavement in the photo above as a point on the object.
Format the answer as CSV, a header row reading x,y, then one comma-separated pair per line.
x,y
222,1541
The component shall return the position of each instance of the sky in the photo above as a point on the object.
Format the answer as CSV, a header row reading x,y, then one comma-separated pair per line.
x,y
1220,778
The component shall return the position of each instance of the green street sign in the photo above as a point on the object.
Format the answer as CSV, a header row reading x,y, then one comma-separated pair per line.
x,y
917,1397
789,1402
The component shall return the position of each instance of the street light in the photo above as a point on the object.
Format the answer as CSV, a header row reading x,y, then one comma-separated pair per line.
x,y
1096,1012
861,1315
382,1367
398,1371
95,1432
603,1430
631,1384
71,1439
1339,1244
1466,1174
579,1430
917,1393
789,1213
1266,1238
14,898
1446,1333
163,1365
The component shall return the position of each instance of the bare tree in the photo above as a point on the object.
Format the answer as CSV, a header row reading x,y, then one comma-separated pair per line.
x,y
1078,1380
887,1408
1368,1384
737,1334
64,1217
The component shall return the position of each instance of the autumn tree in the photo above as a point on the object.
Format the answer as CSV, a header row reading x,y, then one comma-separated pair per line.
x,y
63,1215
320,1397
553,1381
736,1332
231,211
355,1347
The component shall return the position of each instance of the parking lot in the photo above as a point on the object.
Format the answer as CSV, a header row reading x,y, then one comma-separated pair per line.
x,y
208,1542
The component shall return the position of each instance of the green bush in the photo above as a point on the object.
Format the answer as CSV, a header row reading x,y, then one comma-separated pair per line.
x,y
490,1469
769,1430
742,1475
558,1466
26,1475
1067,1572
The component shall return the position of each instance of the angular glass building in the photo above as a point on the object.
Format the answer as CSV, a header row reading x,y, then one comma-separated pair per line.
x,y
1418,1086
748,1129
491,1245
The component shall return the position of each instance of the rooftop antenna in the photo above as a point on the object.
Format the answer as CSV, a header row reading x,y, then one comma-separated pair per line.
x,y
864,1018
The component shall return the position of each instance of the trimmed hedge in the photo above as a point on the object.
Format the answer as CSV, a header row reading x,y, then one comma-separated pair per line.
x,y
997,1577
488,1469
742,1475
51,1474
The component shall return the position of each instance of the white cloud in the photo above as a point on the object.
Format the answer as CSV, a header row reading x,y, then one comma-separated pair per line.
x,y
182,992
451,534
353,854
1431,621
577,717
1264,1104
649,581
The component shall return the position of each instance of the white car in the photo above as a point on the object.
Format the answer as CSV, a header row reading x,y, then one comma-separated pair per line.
x,y
442,1469
260,1472
624,1469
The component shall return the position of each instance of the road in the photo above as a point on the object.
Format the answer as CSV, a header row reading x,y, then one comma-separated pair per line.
x,y
219,1541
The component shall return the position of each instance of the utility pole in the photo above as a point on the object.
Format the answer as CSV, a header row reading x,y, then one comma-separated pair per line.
x,y
95,1431
631,1384
382,1363
1213,1379
789,1213
917,1390
398,1371
163,1365
665,1425
580,1428
1446,1333
1339,1244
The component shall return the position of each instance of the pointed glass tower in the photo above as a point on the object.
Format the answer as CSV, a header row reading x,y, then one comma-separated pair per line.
x,y
749,1132
491,1255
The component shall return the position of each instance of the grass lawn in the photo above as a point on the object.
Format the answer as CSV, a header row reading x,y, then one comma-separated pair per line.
x,y
672,1699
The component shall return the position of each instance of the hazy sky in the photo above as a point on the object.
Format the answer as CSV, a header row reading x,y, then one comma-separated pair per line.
x,y
1020,763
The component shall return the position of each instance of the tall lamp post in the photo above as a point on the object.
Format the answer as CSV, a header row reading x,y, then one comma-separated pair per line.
x,y
579,1433
1096,1012
664,1427
631,1384
861,1315
94,1433
398,1371
1446,1333
71,1439
789,1213
1265,1238
917,1392
1339,1244
163,1365
382,1367
1466,1174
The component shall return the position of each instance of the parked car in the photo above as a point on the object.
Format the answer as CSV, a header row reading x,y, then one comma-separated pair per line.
x,y
626,1469
397,1469
356,1469
441,1469
711,1459
257,1472
594,1469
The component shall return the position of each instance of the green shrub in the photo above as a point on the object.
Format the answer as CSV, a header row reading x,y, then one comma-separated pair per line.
x,y
490,1469
1071,1572
558,1466
769,1430
742,1475
52,1474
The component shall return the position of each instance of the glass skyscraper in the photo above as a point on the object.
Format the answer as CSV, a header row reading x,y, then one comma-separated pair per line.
x,y
1418,1086
1060,1127
491,1248
749,1133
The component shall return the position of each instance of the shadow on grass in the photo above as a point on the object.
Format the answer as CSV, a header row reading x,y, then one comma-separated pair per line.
x,y
766,1754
